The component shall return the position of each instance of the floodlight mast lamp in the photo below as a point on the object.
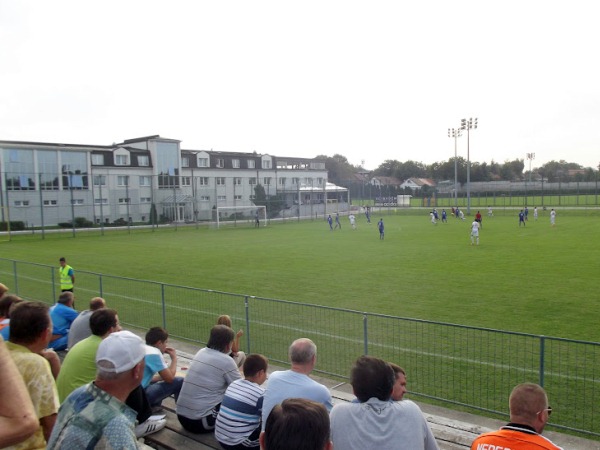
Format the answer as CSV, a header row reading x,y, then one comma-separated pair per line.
x,y
468,124
455,133
530,157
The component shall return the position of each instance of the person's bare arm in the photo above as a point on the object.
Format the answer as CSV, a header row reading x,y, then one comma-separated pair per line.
x,y
54,360
47,424
17,416
169,373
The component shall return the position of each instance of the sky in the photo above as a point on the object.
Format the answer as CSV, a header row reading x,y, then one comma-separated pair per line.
x,y
369,80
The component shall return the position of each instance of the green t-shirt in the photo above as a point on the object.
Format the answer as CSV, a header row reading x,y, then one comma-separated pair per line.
x,y
78,367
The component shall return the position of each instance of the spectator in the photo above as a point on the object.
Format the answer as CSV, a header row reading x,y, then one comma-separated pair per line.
x,y
3,291
237,355
66,276
80,328
62,314
529,413
377,422
238,422
212,370
29,336
297,424
160,380
6,304
400,384
95,415
79,366
18,420
296,383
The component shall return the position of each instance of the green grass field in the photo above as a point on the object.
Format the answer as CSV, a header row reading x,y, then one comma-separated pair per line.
x,y
536,279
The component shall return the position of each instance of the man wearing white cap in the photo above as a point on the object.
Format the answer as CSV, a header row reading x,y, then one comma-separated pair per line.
x,y
95,415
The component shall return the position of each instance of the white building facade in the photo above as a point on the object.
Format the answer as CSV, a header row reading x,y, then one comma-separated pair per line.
x,y
44,184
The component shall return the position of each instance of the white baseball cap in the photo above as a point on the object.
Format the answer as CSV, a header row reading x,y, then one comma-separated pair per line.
x,y
121,350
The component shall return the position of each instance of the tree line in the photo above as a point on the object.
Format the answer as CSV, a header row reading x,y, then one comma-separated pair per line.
x,y
340,171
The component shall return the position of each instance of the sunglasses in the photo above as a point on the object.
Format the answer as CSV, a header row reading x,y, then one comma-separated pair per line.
x,y
549,409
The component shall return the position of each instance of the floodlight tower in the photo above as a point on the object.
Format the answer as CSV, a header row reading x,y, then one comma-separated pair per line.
x,y
530,157
455,133
470,124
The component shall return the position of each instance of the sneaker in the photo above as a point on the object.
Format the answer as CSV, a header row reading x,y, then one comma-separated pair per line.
x,y
149,427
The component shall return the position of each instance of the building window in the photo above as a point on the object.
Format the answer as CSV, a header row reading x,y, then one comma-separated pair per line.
x,y
319,181
21,203
205,198
121,160
143,160
186,181
202,162
99,180
235,163
266,164
220,181
237,180
267,181
50,202
221,198
220,162
295,180
145,199
251,164
145,180
123,180
77,201
203,181
97,160
185,161
282,181
252,197
237,197
101,201
124,200
252,180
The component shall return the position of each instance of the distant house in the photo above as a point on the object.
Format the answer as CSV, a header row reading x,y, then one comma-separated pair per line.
x,y
385,181
416,184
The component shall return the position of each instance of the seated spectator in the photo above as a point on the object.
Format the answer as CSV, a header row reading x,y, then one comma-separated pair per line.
x,y
95,415
212,370
377,422
238,422
296,383
297,424
160,380
62,314
18,420
3,291
79,366
29,335
237,355
529,413
400,383
6,304
80,328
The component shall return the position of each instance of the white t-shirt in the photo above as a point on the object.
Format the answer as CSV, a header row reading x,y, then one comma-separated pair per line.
x,y
475,228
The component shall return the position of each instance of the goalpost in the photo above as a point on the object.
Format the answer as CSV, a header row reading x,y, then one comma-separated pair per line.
x,y
241,215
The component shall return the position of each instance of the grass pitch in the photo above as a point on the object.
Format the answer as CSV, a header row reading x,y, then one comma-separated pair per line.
x,y
534,279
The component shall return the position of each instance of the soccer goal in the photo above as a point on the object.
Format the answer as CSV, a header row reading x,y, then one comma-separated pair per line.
x,y
241,215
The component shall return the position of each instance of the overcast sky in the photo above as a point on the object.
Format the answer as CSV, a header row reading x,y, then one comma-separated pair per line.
x,y
371,80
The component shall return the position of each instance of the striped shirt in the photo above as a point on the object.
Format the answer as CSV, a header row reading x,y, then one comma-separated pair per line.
x,y
240,414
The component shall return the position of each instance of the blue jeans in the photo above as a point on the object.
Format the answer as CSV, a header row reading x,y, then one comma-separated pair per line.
x,y
60,343
157,392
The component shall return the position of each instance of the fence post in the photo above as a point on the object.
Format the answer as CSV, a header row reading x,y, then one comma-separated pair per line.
x,y
247,309
53,283
16,283
366,333
164,306
542,351
100,287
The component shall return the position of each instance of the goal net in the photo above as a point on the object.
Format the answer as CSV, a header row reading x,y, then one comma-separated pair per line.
x,y
240,216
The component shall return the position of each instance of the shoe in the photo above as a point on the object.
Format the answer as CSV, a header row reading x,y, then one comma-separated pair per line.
x,y
149,427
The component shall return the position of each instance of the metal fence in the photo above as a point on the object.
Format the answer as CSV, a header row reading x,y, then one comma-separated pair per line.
x,y
469,367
